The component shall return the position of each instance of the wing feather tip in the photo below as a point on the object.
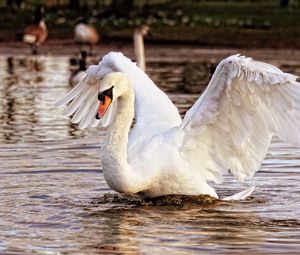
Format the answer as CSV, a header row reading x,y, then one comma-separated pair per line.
x,y
59,104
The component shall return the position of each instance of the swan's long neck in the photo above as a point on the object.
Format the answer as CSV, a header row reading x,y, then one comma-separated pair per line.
x,y
117,137
117,172
139,49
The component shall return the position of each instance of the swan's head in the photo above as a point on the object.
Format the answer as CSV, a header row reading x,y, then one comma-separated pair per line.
x,y
112,86
143,29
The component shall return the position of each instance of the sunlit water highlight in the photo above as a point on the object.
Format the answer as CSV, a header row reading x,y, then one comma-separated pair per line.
x,y
51,182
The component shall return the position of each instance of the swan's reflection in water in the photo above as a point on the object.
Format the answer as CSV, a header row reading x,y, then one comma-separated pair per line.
x,y
50,172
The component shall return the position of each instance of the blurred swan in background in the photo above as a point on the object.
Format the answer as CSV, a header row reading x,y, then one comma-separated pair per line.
x,y
229,127
138,43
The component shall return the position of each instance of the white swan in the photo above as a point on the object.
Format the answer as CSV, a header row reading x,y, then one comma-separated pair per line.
x,y
138,43
229,127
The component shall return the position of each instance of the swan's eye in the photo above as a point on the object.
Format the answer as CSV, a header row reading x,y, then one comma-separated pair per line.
x,y
108,92
101,97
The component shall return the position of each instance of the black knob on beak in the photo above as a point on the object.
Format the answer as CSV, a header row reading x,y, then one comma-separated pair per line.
x,y
101,96
108,92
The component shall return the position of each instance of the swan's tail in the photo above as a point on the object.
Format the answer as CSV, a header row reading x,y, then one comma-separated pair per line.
x,y
240,195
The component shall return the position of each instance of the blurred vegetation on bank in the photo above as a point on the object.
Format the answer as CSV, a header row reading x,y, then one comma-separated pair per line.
x,y
255,23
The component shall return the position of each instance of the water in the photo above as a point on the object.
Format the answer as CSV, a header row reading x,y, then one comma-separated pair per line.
x,y
51,180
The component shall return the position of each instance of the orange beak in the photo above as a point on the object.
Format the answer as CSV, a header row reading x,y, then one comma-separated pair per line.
x,y
104,106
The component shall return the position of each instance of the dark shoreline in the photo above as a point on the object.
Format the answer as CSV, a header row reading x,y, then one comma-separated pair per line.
x,y
154,51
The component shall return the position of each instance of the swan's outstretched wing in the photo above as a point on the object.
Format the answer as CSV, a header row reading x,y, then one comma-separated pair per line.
x,y
154,111
231,125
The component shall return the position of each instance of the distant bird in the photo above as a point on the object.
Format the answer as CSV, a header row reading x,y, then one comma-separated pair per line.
x,y
78,74
10,65
36,34
138,42
229,127
85,34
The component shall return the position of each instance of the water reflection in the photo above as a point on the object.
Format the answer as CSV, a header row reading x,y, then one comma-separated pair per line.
x,y
31,86
182,77
50,172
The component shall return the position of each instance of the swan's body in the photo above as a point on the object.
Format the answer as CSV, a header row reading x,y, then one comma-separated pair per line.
x,y
138,43
229,127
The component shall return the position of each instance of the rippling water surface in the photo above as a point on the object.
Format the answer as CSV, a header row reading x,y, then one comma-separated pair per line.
x,y
51,180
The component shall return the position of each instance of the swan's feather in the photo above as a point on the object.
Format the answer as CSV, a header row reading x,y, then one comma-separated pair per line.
x,y
154,111
231,125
